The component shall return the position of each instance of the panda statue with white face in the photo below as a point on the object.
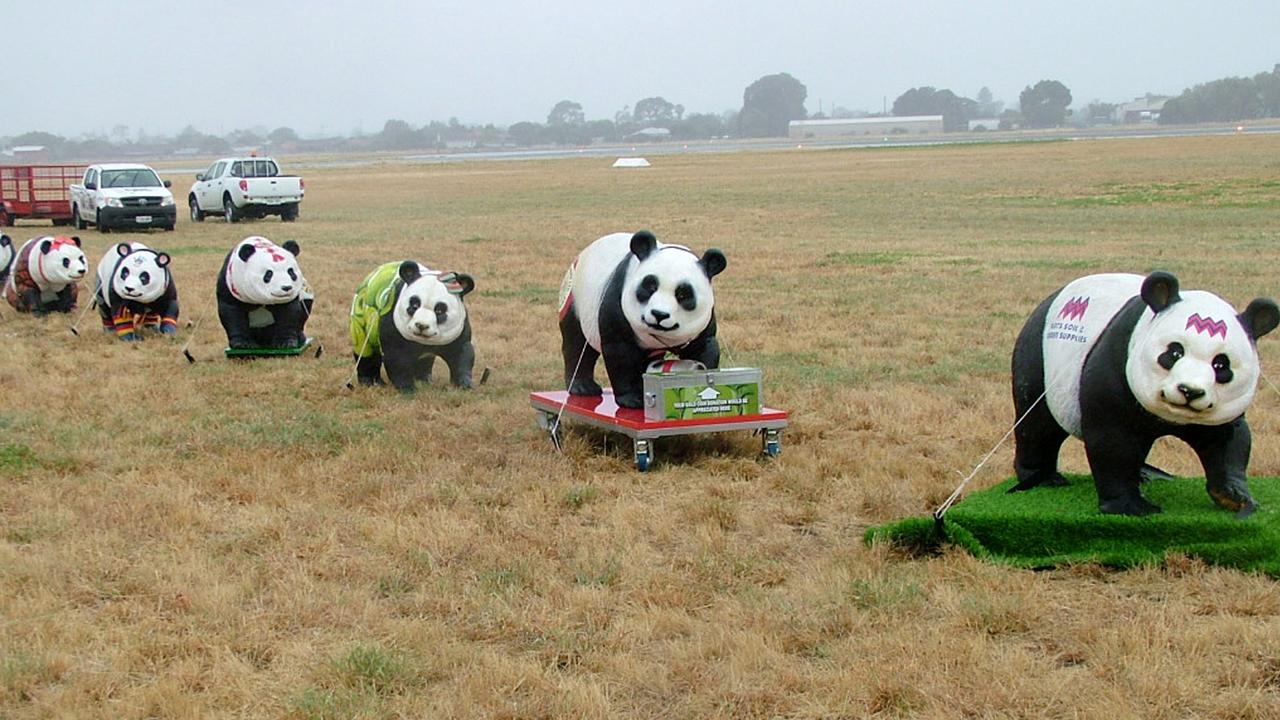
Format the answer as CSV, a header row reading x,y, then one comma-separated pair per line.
x,y
134,282
403,317
6,257
632,299
45,274
261,295
1122,360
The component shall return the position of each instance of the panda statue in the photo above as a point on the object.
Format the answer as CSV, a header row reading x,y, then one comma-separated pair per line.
x,y
6,258
134,282
263,300
403,317
1122,360
44,275
633,299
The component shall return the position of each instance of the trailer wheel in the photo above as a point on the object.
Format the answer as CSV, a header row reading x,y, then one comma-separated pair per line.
x,y
76,221
5,218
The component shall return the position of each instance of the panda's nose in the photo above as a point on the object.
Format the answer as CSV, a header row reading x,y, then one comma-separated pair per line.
x,y
420,326
1190,393
659,316
286,288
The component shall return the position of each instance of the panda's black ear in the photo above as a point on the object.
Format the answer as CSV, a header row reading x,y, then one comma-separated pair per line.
x,y
5,241
713,262
467,282
246,251
292,247
409,271
1261,317
123,249
76,239
162,259
46,246
1160,290
643,243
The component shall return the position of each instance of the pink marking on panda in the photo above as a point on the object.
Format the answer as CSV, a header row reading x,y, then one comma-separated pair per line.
x,y
1206,326
1074,308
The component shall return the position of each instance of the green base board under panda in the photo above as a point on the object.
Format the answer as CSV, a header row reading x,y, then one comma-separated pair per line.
x,y
242,353
1054,526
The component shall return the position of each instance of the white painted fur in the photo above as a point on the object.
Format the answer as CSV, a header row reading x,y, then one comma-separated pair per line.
x,y
589,278
1068,339
422,326
141,262
245,278
63,265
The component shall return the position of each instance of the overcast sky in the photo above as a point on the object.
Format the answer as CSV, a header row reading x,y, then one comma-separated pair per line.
x,y
322,66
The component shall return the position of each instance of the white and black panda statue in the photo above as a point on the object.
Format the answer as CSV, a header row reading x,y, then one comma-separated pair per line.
x,y
262,295
134,282
633,299
44,275
1122,360
403,317
6,257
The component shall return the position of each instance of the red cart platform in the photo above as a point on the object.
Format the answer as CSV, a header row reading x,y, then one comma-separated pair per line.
x,y
603,412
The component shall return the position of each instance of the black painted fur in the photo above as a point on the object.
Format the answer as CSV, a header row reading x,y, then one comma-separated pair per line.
x,y
408,362
284,332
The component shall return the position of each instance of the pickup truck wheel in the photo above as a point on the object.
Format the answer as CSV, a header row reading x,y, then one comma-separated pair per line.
x,y
229,210
289,212
76,221
197,215
102,228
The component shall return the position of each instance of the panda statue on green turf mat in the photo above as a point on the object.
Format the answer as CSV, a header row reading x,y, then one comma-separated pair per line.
x,y
405,315
263,300
632,299
134,283
1122,360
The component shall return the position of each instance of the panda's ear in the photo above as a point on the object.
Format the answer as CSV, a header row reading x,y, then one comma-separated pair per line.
x,y
292,247
643,243
1160,290
123,249
409,271
246,251
1261,317
76,239
5,241
713,262
461,285
162,259
46,246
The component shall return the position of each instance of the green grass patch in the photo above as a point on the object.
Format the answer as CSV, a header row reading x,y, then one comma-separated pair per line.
x,y
196,250
1053,526
877,257
16,459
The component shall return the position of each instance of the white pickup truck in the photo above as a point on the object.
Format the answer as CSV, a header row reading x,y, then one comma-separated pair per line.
x,y
247,187
121,195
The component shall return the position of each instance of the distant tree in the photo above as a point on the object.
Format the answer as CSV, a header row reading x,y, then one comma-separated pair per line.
x,y
282,135
244,137
36,137
955,110
699,126
524,133
1045,104
398,135
657,111
600,130
770,104
1100,112
988,106
213,145
566,112
1228,99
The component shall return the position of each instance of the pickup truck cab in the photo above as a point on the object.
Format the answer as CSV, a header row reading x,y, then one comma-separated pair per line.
x,y
247,187
121,195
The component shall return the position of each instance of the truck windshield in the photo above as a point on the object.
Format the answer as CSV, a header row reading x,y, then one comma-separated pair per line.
x,y
137,177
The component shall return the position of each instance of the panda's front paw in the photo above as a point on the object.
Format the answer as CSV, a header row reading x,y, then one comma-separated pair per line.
x,y
170,330
586,386
131,337
1135,506
286,342
630,400
240,343
1232,496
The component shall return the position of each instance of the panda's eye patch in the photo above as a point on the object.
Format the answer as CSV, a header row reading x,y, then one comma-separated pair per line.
x,y
266,278
124,274
293,275
686,297
66,262
442,311
1171,355
414,303
1222,369
648,286
145,278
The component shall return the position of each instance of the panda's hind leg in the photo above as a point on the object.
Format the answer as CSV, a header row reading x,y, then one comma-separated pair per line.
x,y
579,357
369,369
1038,437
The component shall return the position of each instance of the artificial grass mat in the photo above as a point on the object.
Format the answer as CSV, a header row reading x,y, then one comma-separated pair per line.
x,y
1052,526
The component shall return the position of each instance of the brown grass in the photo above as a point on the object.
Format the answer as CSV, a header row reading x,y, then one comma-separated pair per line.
x,y
251,540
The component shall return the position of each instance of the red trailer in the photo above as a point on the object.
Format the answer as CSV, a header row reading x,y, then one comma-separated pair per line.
x,y
37,191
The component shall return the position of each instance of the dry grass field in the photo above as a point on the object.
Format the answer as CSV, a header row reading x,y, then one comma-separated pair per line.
x,y
231,539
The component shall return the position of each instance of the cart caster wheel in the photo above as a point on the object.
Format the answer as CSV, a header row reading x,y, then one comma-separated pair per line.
x,y
772,443
644,455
